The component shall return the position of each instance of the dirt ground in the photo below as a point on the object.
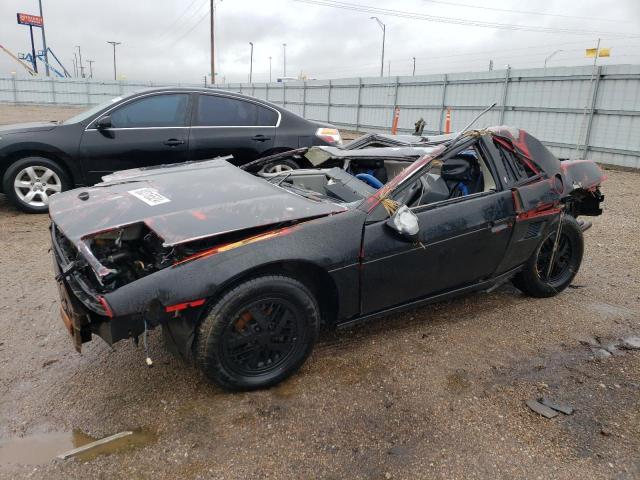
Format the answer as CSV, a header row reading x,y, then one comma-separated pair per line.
x,y
438,392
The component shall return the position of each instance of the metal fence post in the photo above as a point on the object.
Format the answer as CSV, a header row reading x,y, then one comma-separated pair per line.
x,y
329,103
395,93
304,99
358,104
395,99
15,89
505,90
53,90
443,103
594,99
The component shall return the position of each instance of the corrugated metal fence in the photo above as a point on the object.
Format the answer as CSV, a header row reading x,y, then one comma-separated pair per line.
x,y
576,111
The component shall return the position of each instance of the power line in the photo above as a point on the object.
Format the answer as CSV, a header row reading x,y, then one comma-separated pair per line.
x,y
525,12
172,36
179,17
200,20
457,21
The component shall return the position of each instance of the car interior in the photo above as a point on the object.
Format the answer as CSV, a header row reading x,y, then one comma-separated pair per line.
x,y
463,174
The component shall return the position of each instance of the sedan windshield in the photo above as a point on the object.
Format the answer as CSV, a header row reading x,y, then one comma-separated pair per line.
x,y
92,111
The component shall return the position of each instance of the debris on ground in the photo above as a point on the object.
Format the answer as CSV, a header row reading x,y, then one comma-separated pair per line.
x,y
92,445
541,409
630,343
559,407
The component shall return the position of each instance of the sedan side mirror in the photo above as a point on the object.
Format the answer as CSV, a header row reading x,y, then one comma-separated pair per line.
x,y
405,223
104,123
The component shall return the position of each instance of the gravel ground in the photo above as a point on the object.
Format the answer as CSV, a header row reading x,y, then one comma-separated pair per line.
x,y
437,392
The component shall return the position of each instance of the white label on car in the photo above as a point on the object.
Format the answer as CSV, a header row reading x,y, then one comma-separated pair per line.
x,y
150,196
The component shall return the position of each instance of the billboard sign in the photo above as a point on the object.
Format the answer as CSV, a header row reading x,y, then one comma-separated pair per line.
x,y
31,20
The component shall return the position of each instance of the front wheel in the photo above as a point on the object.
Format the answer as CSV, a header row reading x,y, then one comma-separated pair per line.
x,y
258,333
547,273
30,182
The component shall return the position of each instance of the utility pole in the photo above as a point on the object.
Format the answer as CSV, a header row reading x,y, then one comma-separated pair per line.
x,y
414,66
212,11
384,34
90,62
284,68
81,65
33,50
44,42
251,64
490,65
115,71
270,69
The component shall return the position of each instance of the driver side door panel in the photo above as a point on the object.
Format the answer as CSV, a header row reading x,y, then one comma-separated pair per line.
x,y
461,242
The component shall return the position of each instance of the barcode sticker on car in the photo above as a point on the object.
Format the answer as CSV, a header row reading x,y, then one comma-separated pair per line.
x,y
150,196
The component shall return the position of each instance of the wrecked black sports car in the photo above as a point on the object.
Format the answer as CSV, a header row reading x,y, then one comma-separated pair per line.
x,y
241,274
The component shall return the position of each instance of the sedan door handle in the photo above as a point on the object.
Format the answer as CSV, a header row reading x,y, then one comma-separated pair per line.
x,y
260,138
173,142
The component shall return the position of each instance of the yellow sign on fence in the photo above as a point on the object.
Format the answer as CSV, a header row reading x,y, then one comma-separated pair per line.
x,y
604,52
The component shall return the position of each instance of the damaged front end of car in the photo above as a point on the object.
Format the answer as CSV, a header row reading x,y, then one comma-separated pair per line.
x,y
116,255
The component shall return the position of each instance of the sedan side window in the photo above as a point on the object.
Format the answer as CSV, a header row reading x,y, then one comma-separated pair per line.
x,y
219,111
153,111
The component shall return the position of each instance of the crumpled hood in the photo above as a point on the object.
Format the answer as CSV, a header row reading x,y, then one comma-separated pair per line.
x,y
27,127
181,203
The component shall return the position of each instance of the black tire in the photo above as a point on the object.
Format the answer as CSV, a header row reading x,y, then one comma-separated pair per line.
x,y
280,165
231,347
533,279
16,172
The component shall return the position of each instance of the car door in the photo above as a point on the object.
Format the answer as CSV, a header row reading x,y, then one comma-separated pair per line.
x,y
536,199
145,131
461,241
224,125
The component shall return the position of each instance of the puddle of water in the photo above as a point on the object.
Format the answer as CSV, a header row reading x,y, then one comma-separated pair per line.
x,y
42,448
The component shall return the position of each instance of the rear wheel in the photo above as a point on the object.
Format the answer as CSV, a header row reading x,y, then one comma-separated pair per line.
x,y
30,182
548,272
257,334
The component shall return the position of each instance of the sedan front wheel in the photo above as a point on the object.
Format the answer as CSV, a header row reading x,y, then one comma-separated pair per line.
x,y
30,182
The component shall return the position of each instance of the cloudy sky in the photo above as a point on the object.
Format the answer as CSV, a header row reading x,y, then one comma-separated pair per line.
x,y
168,40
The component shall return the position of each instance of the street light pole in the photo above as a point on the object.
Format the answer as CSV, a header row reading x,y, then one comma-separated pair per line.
x,y
270,69
414,66
384,34
115,71
251,64
284,68
549,58
44,42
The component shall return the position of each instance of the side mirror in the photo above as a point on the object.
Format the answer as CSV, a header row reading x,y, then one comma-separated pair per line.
x,y
405,223
104,123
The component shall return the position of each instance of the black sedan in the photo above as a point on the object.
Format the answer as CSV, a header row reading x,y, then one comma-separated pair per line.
x,y
154,127
241,276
